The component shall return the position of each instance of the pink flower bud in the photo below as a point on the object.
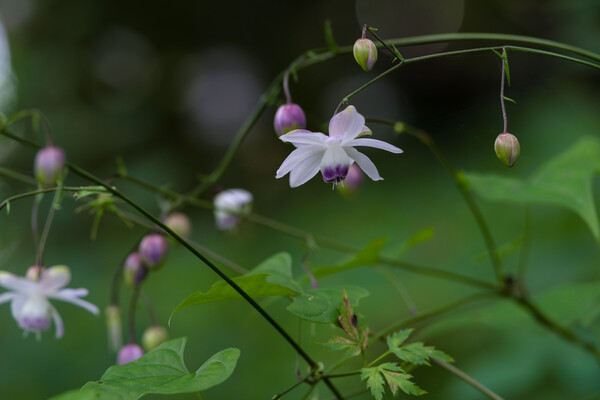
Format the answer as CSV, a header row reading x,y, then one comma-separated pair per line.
x,y
365,53
179,223
154,336
129,353
507,148
289,117
134,271
354,179
153,250
49,165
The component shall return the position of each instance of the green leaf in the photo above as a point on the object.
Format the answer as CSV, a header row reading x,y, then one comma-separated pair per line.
x,y
509,99
333,46
375,381
255,285
121,166
395,377
161,371
565,181
367,256
279,266
419,354
506,69
358,335
321,305
422,236
502,250
396,339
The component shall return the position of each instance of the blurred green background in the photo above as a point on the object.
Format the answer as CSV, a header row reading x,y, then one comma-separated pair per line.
x,y
166,85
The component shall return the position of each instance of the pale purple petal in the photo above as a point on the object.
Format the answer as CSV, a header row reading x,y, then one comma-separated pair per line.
x,y
302,137
54,278
8,296
305,170
16,306
335,164
16,284
60,328
378,144
347,124
296,157
69,292
70,298
364,163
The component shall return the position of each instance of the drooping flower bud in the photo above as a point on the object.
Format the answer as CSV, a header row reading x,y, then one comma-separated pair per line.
x,y
365,53
33,273
134,270
507,148
353,180
179,223
153,250
230,205
129,353
289,117
113,326
154,336
49,165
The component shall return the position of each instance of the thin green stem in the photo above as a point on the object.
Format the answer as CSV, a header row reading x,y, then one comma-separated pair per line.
x,y
381,357
468,379
47,225
17,176
504,117
294,386
428,141
342,375
20,196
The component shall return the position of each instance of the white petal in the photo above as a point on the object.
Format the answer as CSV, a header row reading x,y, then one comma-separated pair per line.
x,y
66,295
335,164
301,137
69,292
16,306
60,328
378,144
305,170
8,296
54,278
347,124
296,157
364,163
16,284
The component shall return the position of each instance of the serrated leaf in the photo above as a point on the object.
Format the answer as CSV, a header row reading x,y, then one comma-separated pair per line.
x,y
375,382
419,354
161,371
396,339
367,256
402,381
565,181
349,347
321,305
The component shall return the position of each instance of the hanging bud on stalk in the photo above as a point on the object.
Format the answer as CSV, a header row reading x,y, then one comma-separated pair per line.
x,y
153,250
365,53
49,165
154,337
179,223
113,326
289,117
133,270
230,205
507,148
129,353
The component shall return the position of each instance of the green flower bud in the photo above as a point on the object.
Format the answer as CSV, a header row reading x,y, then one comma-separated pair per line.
x,y
507,148
154,336
365,53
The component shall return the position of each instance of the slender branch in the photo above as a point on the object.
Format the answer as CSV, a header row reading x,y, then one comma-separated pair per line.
x,y
468,379
20,196
342,375
47,224
504,118
294,386
18,176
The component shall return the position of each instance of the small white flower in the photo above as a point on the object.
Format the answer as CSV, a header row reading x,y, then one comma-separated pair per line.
x,y
331,154
229,204
29,299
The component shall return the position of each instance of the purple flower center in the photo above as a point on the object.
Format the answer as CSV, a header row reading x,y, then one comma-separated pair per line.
x,y
34,323
335,173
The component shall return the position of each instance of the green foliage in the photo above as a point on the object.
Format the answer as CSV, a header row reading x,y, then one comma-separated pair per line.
x,y
321,305
396,379
367,256
414,353
357,336
565,180
161,371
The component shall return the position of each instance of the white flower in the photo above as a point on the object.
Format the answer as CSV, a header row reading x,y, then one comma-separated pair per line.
x,y
229,204
331,154
29,299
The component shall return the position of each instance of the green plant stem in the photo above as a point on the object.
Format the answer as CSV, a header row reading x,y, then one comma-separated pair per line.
x,y
342,375
47,225
381,357
17,176
468,379
428,141
40,191
565,333
295,385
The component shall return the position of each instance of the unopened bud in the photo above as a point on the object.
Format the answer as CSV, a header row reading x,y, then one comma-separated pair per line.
x,y
154,336
113,326
153,250
33,273
230,204
365,53
129,353
289,117
179,223
49,165
507,148
134,271
353,180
